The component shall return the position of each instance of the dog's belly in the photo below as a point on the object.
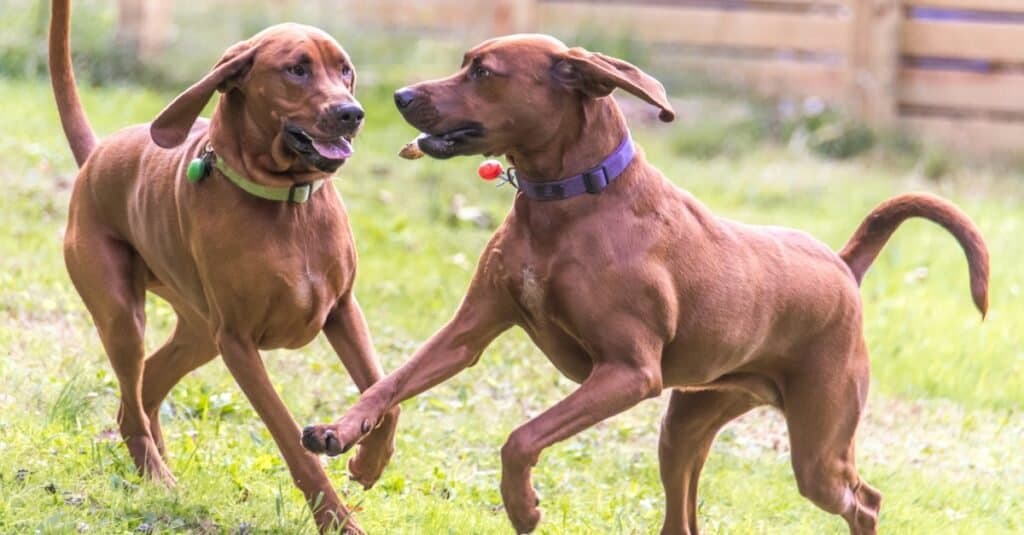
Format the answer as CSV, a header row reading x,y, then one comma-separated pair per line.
x,y
687,364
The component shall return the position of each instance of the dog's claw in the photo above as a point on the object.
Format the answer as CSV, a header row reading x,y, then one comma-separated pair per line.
x,y
309,440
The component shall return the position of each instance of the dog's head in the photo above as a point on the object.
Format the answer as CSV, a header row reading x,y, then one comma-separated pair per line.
x,y
517,90
288,90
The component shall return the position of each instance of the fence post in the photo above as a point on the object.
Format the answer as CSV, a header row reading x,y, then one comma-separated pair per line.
x,y
514,16
130,17
143,28
155,29
526,16
873,59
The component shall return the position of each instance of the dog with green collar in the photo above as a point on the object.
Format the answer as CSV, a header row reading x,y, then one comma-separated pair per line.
x,y
235,222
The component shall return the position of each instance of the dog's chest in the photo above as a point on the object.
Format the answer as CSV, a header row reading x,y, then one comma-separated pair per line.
x,y
528,282
532,292
296,303
537,297
279,283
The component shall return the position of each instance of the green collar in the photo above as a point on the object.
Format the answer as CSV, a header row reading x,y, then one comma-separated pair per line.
x,y
297,193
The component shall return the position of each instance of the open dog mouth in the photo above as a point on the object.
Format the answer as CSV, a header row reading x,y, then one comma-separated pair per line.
x,y
326,154
451,142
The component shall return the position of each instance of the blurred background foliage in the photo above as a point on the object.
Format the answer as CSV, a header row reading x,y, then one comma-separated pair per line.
x,y
105,54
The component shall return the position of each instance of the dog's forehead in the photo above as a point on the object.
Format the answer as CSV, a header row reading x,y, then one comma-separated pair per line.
x,y
518,45
284,38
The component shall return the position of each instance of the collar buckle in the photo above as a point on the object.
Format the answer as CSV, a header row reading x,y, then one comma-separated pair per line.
x,y
595,180
300,193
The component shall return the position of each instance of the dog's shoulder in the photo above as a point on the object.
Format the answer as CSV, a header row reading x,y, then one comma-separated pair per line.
x,y
129,147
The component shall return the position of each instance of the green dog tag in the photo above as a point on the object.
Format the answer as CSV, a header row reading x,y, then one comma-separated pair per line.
x,y
197,170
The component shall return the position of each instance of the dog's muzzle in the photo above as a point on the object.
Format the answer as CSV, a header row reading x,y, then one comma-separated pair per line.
x,y
437,140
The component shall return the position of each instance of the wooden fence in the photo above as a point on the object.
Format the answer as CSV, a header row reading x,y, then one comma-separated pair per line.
x,y
948,69
952,70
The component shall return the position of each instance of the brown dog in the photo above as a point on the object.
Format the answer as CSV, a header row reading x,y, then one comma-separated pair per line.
x,y
641,287
243,273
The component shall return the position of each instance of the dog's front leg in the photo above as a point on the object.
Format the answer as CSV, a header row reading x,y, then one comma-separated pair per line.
x,y
612,387
481,317
243,360
348,334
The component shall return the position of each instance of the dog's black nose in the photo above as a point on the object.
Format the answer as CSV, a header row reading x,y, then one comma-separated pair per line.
x,y
348,114
404,97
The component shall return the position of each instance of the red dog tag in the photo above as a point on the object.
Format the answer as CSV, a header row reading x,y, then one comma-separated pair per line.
x,y
489,170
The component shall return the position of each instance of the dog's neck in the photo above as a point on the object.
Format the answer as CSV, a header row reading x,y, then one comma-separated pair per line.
x,y
582,142
234,136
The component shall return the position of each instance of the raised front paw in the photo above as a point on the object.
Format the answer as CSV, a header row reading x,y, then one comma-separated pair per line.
x,y
339,437
375,451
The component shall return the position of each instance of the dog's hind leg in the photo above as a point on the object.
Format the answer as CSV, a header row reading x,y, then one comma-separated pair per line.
x,y
110,277
823,401
189,347
691,422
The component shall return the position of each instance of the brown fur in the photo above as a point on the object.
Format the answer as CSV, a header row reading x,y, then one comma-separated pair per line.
x,y
642,288
242,273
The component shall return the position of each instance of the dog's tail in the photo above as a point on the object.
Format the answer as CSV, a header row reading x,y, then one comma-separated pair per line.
x,y
62,76
862,248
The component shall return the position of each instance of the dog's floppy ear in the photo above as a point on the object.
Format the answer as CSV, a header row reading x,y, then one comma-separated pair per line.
x,y
597,75
172,126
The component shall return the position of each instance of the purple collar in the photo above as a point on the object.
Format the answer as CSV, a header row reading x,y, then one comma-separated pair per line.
x,y
593,181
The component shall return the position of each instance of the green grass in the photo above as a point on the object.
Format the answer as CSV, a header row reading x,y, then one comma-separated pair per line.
x,y
941,440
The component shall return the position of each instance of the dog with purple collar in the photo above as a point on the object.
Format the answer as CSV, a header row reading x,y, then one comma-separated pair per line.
x,y
630,285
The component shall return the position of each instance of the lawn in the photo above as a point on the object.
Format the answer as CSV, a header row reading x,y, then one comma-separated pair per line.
x,y
942,439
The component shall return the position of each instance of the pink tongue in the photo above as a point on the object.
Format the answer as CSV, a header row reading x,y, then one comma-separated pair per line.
x,y
335,149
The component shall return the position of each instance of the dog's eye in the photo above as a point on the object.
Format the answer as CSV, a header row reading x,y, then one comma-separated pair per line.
x,y
346,71
478,72
299,71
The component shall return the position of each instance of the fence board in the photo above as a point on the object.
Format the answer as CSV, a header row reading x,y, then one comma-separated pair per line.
x,y
978,136
966,90
969,40
873,59
1010,6
683,3
455,15
705,27
769,77
753,46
